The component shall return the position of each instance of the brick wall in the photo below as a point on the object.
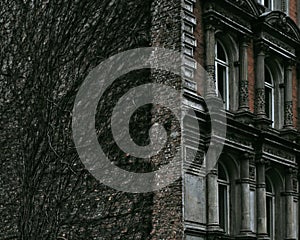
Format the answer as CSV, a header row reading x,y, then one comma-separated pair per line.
x,y
251,76
295,97
293,8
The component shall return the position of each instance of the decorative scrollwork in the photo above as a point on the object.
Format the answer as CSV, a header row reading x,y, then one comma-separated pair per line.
x,y
260,101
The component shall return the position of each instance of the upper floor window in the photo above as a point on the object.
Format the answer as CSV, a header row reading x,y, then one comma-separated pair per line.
x,y
221,73
281,5
267,3
274,91
223,192
270,203
269,94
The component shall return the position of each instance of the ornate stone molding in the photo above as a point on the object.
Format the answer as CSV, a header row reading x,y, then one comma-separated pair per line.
x,y
210,81
244,95
278,152
238,139
261,47
261,185
262,161
282,23
213,172
260,101
279,43
288,114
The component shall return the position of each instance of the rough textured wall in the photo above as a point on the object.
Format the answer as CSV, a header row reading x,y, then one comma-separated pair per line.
x,y
47,49
167,203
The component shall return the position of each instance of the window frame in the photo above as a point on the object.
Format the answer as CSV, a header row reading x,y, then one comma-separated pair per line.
x,y
270,197
271,2
226,205
271,87
225,64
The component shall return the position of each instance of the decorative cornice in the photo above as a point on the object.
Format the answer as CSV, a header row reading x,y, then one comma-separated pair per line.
x,y
248,6
282,23
278,152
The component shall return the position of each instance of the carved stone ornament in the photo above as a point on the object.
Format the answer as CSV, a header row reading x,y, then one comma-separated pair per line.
x,y
295,185
261,161
283,24
243,93
210,80
279,43
238,139
252,173
279,152
288,113
260,101
261,48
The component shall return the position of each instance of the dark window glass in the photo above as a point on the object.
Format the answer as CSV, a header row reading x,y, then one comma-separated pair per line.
x,y
268,78
267,3
268,93
222,206
221,53
221,71
221,173
268,101
269,206
268,186
269,214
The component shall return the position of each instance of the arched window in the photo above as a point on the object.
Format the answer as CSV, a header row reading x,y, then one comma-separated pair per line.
x,y
269,94
223,191
222,70
270,203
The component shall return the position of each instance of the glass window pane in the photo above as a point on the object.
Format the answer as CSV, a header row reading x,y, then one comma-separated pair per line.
x,y
252,210
268,186
268,78
270,216
223,206
221,52
221,173
267,102
221,78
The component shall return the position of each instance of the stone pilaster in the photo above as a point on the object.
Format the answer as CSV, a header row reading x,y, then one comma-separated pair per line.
x,y
212,200
243,83
261,199
290,224
245,195
210,59
288,98
260,81
260,108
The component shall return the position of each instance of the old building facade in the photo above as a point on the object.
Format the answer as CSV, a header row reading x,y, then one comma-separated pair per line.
x,y
250,49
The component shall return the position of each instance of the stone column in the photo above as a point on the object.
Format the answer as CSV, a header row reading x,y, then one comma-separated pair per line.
x,y
243,83
289,207
213,200
288,97
210,60
261,199
245,195
260,81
